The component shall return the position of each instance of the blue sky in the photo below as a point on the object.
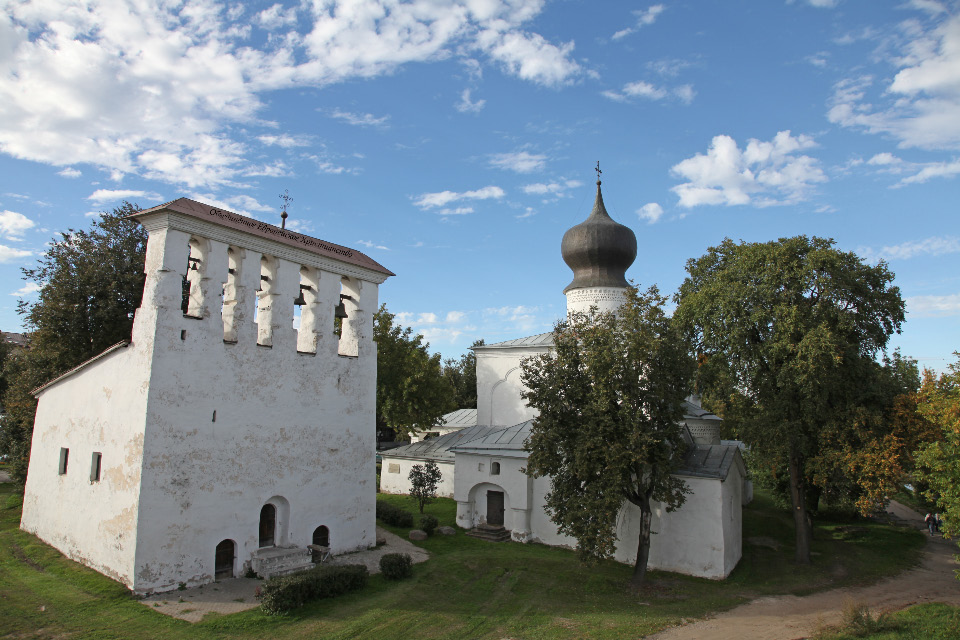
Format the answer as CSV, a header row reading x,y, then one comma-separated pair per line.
x,y
454,140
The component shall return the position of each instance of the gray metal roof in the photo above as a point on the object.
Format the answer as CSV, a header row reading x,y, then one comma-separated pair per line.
x,y
438,448
539,340
498,439
459,418
692,411
710,461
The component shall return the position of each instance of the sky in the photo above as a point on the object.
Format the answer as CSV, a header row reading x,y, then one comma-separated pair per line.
x,y
455,141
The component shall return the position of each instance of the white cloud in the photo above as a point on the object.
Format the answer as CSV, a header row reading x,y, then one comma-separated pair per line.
x,y
69,172
934,306
27,290
823,4
763,174
930,6
285,140
113,195
933,170
651,212
372,245
441,198
9,254
457,211
933,246
640,89
920,105
360,119
644,17
518,161
529,212
188,74
883,159
13,225
427,318
466,105
455,316
668,67
553,189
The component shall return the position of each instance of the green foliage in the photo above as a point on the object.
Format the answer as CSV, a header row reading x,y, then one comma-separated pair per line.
x,y
939,461
396,566
393,515
412,394
787,333
92,283
286,593
610,400
428,523
462,375
423,482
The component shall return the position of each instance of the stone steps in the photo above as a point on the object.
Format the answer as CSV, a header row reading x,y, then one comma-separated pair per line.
x,y
490,534
280,561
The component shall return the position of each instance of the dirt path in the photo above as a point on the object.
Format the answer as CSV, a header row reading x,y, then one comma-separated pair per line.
x,y
792,617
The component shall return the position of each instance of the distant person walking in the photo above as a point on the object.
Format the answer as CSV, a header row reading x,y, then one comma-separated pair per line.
x,y
931,523
937,522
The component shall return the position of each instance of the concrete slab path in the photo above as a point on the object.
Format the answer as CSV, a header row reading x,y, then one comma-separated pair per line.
x,y
239,594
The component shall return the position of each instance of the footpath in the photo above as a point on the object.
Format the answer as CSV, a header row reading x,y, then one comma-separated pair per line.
x,y
795,617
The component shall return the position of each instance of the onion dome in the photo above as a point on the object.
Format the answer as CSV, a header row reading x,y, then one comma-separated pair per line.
x,y
599,250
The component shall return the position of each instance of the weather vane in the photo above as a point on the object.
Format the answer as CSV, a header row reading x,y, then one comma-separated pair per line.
x,y
285,196
598,172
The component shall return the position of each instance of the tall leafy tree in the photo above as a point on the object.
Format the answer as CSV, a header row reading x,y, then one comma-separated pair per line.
x,y
787,335
610,400
91,284
462,375
939,461
412,394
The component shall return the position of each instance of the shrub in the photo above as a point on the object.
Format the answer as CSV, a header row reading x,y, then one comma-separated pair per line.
x,y
285,593
423,482
428,523
396,566
394,516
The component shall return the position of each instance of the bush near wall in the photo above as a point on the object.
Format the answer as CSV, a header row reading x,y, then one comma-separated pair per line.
x,y
286,593
428,523
394,516
396,566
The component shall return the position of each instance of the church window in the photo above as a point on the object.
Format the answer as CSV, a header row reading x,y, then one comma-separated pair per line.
x,y
64,455
495,469
228,310
268,525
196,269
95,464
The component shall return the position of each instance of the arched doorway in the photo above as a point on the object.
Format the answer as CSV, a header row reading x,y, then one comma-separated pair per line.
x,y
223,564
268,525
321,536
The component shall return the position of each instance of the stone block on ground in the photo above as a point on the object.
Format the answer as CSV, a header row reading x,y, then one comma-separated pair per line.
x,y
447,531
417,534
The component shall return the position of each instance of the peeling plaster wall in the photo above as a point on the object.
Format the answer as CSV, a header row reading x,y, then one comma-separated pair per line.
x,y
399,482
92,522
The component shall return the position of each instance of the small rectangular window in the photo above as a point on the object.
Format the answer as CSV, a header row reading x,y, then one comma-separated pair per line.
x,y
64,454
95,466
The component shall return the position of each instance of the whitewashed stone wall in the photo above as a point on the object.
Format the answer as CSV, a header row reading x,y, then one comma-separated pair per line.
x,y
395,476
498,386
203,420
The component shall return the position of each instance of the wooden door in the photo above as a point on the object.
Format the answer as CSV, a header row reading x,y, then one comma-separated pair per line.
x,y
268,525
223,565
495,508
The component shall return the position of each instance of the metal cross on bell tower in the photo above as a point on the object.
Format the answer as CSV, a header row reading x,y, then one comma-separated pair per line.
x,y
285,196
598,171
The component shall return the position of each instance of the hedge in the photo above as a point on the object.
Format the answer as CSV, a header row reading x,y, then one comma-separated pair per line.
x,y
285,593
396,566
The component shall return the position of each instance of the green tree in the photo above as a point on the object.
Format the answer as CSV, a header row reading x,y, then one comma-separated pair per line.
x,y
412,394
610,401
462,375
787,333
423,482
938,462
91,284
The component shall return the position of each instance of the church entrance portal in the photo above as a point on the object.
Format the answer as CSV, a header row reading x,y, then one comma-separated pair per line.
x,y
495,508
268,525
223,564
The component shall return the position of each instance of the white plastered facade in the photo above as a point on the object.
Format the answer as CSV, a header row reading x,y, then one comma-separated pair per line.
x,y
206,417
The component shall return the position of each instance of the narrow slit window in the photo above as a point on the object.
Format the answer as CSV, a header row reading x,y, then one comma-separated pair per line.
x,y
64,455
95,466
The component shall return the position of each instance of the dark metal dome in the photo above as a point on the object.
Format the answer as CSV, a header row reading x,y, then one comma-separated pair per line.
x,y
599,250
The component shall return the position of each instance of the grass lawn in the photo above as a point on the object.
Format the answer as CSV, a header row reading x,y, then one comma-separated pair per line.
x,y
468,589
923,622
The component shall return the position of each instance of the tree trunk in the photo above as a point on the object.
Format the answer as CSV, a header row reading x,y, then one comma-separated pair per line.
x,y
643,543
798,500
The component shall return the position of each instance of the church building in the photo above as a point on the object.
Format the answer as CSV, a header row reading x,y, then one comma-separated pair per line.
x,y
702,538
224,435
